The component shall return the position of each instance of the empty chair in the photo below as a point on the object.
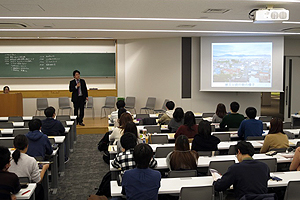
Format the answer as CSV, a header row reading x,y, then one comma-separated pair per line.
x,y
255,138
287,125
209,114
15,119
63,104
271,162
153,129
9,143
158,139
20,132
41,104
6,125
163,108
90,105
232,150
220,166
196,193
223,136
109,104
162,152
208,153
290,134
63,118
265,118
142,116
182,173
150,105
24,180
130,103
292,190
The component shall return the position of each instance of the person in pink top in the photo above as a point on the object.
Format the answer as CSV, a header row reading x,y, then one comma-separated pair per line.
x,y
189,127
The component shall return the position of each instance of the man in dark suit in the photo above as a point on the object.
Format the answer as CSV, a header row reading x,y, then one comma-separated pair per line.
x,y
79,95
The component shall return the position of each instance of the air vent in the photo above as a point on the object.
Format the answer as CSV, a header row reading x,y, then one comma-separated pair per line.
x,y
12,25
186,26
292,30
214,10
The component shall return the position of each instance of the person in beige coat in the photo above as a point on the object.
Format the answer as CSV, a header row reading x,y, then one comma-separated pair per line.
x,y
168,115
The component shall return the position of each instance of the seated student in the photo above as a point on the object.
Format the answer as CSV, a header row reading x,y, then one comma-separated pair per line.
x,y
38,142
25,166
189,127
6,90
177,120
51,126
248,176
233,119
295,165
204,141
141,182
114,115
220,113
168,115
9,182
182,158
251,126
276,138
130,127
118,131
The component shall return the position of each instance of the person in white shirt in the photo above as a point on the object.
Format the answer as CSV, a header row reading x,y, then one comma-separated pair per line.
x,y
168,115
114,115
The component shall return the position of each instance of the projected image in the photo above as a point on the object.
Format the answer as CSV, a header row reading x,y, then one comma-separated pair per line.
x,y
242,64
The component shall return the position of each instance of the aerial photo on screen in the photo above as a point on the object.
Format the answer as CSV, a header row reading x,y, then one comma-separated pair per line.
x,y
242,64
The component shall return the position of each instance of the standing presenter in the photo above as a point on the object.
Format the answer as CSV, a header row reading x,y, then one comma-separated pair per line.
x,y
79,95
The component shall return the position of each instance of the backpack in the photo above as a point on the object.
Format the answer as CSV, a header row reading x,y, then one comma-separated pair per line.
x,y
104,142
104,187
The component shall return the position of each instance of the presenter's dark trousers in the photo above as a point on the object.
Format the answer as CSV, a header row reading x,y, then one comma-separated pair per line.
x,y
79,105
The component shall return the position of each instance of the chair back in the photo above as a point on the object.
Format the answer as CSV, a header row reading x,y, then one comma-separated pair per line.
x,y
41,103
208,114
287,125
90,103
20,132
221,166
24,180
265,127
290,134
162,152
271,162
15,119
8,143
223,136
255,138
52,141
6,125
265,118
63,117
153,129
158,139
182,173
292,190
39,117
110,102
196,193
142,116
130,102
150,104
233,129
232,150
279,150
208,153
63,102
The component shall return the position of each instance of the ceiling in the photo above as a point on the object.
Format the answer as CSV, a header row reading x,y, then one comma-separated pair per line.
x,y
131,19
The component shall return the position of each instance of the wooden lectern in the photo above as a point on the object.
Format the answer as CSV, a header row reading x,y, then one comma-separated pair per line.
x,y
11,105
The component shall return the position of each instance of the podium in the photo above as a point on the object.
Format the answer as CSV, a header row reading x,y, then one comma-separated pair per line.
x,y
11,105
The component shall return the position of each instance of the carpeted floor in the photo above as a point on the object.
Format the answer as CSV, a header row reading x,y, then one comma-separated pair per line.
x,y
84,171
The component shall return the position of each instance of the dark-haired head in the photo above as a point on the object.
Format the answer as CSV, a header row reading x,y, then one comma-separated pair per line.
x,y
75,71
20,143
246,148
120,104
221,110
35,124
276,126
49,112
128,140
182,143
131,128
189,119
178,114
121,111
204,128
124,119
251,112
234,106
6,89
142,155
170,105
4,158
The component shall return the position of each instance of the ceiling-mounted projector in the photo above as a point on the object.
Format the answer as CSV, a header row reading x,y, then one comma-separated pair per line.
x,y
270,15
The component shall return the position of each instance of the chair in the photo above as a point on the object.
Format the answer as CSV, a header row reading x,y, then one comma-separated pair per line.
x,y
41,104
39,117
158,139
279,150
271,162
6,125
153,129
205,153
182,173
292,190
223,136
196,193
63,118
233,129
90,105
15,119
20,132
24,180
63,104
255,138
232,150
52,141
9,143
130,103
205,115
290,134
287,125
142,116
109,104
298,144
221,166
265,118
162,152
150,105
265,127
163,108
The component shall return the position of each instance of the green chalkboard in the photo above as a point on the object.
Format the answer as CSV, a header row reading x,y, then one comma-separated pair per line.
x,y
28,65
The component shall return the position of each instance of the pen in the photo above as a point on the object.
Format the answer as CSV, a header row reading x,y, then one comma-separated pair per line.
x,y
26,192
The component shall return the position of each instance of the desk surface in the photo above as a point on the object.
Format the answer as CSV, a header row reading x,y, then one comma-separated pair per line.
x,y
31,187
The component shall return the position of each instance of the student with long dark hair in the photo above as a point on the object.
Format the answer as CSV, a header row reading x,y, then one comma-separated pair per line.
x,y
204,141
189,127
220,113
182,158
124,118
276,138
177,120
130,127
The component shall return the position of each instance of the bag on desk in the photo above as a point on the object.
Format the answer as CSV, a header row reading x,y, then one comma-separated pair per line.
x,y
104,187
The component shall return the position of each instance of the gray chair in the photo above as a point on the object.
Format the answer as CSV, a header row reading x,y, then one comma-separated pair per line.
x,y
233,129
6,125
292,190
41,104
153,129
182,173
287,125
63,118
255,138
208,153
271,162
265,118
64,104
220,166
223,136
24,180
232,150
298,144
8,143
109,104
158,139
162,152
196,193
52,141
15,119
130,103
209,114
290,134
150,105
90,105
163,108
265,127
20,132
142,116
